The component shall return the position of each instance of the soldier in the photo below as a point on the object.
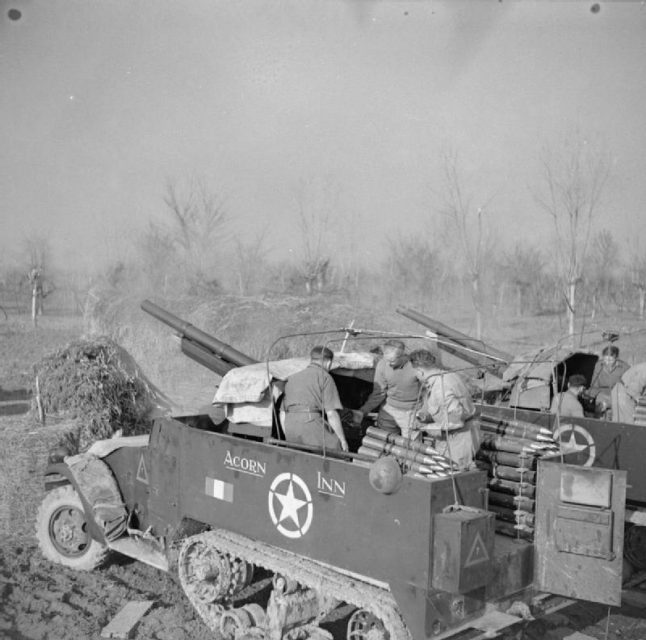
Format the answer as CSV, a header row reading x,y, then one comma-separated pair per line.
x,y
448,407
607,373
627,393
312,404
395,391
567,402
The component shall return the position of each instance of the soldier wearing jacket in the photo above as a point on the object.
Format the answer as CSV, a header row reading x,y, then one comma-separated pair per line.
x,y
447,413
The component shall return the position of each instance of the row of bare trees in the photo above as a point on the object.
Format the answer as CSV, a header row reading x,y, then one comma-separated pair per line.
x,y
458,256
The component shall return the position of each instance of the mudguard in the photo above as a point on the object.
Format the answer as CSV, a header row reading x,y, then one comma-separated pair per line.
x,y
93,481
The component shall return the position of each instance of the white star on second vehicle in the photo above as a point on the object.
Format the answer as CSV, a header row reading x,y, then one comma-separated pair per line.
x,y
573,445
290,505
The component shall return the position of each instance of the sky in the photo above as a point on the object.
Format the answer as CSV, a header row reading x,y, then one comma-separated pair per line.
x,y
104,101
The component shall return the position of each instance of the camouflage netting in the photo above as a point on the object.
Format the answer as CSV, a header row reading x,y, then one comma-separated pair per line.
x,y
98,383
24,449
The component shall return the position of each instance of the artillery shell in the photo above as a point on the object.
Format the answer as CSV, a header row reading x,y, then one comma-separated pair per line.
x,y
380,434
504,513
516,433
502,443
404,455
514,530
512,501
373,453
517,516
516,424
510,486
512,473
379,439
523,459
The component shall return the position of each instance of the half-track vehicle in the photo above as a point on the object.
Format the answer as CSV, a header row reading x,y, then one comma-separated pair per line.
x,y
223,501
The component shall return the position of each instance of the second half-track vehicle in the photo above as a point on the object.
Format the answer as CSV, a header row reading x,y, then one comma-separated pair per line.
x,y
410,550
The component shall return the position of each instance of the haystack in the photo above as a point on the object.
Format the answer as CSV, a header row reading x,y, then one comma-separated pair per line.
x,y
98,383
24,450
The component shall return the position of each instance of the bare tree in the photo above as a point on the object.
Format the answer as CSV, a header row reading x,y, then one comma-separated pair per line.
x,y
601,268
573,178
523,267
197,225
157,250
317,202
469,227
414,267
37,249
250,257
638,276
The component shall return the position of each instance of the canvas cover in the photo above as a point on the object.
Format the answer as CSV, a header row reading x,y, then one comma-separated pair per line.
x,y
249,383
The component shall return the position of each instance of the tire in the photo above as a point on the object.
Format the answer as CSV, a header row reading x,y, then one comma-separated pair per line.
x,y
62,532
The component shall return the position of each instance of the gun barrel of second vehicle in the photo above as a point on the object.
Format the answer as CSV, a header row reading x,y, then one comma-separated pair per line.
x,y
203,340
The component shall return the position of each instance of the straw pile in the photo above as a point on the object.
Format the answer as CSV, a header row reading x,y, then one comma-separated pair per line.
x,y
98,383
24,450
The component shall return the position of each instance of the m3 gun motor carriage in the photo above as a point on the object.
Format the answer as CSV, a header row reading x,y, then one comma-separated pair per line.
x,y
222,499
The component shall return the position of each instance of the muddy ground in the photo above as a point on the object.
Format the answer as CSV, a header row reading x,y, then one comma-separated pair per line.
x,y
43,601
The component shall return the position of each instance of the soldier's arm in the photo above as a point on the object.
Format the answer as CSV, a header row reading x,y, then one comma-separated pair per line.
x,y
378,394
335,422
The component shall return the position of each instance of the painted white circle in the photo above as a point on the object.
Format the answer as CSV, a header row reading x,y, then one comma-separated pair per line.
x,y
573,438
290,505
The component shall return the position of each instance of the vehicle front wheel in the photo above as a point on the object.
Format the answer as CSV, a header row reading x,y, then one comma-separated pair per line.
x,y
62,531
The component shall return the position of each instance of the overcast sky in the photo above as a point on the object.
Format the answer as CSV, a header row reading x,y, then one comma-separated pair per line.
x,y
103,101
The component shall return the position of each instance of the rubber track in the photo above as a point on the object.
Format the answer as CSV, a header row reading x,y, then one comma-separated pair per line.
x,y
310,574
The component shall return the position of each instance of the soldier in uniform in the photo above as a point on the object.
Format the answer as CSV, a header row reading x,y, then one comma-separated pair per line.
x,y
312,404
607,373
448,414
567,402
395,391
628,392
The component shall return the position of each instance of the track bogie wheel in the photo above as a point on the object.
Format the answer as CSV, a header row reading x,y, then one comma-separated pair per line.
x,y
209,575
364,625
62,531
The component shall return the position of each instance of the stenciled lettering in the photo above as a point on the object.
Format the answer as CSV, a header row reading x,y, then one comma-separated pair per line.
x,y
248,465
329,486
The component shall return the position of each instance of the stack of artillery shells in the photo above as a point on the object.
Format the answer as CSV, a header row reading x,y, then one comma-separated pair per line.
x,y
508,452
415,457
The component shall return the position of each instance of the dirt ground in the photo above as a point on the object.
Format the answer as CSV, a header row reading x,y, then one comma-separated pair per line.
x,y
43,601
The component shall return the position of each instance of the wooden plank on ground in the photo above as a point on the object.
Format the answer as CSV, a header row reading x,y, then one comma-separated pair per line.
x,y
578,636
125,622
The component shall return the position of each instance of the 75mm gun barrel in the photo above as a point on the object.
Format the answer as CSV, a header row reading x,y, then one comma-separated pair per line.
x,y
199,345
473,351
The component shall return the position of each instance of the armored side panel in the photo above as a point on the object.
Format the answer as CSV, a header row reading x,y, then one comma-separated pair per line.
x,y
592,442
320,508
579,531
163,475
130,467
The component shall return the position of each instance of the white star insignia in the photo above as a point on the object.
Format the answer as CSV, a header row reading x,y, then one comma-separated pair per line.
x,y
572,444
290,505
